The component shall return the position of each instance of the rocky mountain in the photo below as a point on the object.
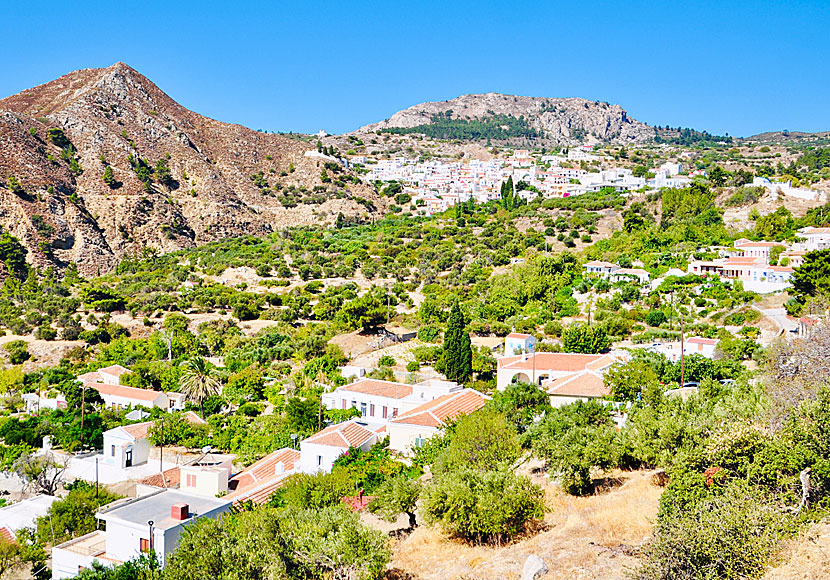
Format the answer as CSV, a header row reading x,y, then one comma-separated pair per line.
x,y
530,120
101,163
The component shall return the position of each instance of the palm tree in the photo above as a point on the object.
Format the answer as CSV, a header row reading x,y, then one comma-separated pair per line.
x,y
198,380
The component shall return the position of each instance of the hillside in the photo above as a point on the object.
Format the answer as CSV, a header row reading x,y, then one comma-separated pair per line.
x,y
176,179
519,120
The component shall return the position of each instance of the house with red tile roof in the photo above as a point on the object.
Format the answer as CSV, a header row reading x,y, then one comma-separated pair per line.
x,y
585,385
121,397
206,475
536,368
318,452
379,401
128,445
413,428
259,481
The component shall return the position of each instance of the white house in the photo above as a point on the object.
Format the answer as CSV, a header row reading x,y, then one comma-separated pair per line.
x,y
814,238
121,397
34,402
318,452
412,429
695,345
600,268
133,527
110,375
379,401
23,514
206,475
625,274
585,385
128,445
518,343
537,368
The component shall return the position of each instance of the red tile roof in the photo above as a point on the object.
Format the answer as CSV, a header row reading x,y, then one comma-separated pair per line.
x,y
7,535
701,340
379,388
550,361
265,469
168,478
116,370
259,481
126,392
585,384
437,412
138,430
518,335
348,434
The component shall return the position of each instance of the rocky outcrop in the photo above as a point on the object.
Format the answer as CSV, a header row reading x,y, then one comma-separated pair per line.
x,y
221,179
559,121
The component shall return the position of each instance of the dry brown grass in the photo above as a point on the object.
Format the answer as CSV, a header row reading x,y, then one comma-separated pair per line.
x,y
807,557
583,537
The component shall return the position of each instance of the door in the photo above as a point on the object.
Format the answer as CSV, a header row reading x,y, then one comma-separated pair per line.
x,y
129,458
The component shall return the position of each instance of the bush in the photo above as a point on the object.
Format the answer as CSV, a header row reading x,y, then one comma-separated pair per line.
x,y
483,507
428,333
585,339
18,351
655,317
575,439
386,361
733,536
290,544
483,440
314,491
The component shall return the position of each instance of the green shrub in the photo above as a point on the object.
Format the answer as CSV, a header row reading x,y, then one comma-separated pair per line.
x,y
482,507
732,536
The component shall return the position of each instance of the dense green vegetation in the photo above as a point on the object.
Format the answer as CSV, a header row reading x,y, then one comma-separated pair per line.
x,y
490,128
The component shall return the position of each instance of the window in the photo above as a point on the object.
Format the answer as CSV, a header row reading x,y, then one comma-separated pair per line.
x,y
144,545
191,480
112,450
394,412
371,410
385,410
362,409
319,460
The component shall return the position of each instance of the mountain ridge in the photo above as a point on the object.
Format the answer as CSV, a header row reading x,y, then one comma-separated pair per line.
x,y
558,120
177,178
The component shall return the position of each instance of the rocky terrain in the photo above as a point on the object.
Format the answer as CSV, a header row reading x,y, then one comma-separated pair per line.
x,y
101,163
559,121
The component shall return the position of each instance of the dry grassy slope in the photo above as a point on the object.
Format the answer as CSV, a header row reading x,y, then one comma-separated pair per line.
x,y
558,118
115,112
591,537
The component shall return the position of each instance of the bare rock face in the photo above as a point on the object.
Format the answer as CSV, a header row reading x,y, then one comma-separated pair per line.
x,y
559,121
223,179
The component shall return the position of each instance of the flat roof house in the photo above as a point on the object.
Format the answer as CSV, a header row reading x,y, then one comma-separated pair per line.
x,y
133,527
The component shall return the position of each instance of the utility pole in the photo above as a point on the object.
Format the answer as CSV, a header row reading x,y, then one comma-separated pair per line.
x,y
161,451
682,352
96,476
83,404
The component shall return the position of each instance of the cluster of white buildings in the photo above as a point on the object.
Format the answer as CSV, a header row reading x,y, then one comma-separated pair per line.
x,y
436,186
749,261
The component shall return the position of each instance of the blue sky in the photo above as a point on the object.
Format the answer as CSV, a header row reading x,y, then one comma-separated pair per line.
x,y
726,67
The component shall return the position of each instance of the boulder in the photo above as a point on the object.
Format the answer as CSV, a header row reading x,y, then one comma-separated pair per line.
x,y
534,568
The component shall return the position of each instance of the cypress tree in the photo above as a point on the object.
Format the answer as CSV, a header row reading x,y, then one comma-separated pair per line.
x,y
457,358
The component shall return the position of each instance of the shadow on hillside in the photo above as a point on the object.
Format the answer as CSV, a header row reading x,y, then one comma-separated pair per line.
x,y
398,574
608,484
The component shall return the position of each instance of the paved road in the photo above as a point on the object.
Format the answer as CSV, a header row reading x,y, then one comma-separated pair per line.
x,y
779,316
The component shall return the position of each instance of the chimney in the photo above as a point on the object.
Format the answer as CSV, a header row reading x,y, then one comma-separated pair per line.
x,y
180,511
